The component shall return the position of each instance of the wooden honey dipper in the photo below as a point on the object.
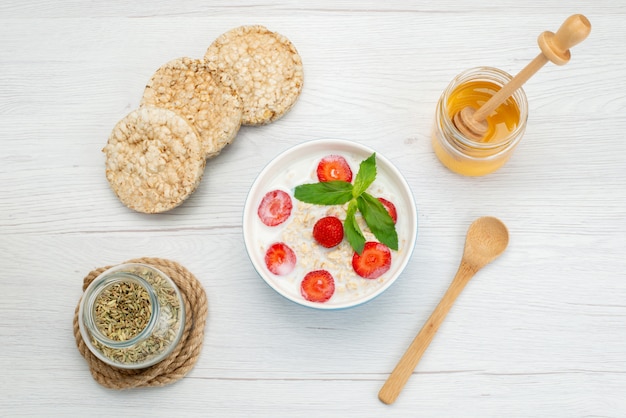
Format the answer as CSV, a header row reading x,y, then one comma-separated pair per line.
x,y
554,47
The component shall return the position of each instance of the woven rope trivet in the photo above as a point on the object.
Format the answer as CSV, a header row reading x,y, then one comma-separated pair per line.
x,y
181,360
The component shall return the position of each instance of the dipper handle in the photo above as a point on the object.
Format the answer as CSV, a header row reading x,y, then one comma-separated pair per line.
x,y
572,32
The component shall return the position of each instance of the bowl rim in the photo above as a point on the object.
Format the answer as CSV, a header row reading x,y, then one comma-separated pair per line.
x,y
333,145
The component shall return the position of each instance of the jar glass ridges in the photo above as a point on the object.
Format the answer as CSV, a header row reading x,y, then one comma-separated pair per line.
x,y
506,124
131,316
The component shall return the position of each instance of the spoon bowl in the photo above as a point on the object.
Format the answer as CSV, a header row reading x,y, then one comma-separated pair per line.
x,y
486,239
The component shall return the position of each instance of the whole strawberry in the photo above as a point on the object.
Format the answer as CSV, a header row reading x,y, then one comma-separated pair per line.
x,y
328,231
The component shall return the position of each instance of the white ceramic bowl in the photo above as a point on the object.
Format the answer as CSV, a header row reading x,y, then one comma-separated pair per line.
x,y
285,172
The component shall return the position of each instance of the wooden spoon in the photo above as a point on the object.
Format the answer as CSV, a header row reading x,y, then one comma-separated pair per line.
x,y
554,47
486,239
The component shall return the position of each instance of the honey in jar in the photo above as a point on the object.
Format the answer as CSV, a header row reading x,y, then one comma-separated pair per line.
x,y
506,123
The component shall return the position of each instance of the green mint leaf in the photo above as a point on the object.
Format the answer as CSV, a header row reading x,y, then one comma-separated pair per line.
x,y
378,220
365,176
351,229
324,193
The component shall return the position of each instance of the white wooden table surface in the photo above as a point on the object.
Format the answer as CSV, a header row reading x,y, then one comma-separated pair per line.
x,y
541,332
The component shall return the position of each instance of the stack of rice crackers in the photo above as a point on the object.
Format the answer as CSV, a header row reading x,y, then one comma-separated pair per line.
x,y
192,108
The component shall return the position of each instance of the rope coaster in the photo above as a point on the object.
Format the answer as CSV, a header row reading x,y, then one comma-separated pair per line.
x,y
181,360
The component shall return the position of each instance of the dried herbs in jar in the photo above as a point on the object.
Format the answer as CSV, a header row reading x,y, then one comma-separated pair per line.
x,y
132,316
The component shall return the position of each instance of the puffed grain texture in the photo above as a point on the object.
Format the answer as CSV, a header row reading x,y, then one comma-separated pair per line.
x,y
266,68
153,160
207,99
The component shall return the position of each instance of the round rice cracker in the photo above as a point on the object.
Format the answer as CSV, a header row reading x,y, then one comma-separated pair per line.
x,y
266,68
207,99
153,160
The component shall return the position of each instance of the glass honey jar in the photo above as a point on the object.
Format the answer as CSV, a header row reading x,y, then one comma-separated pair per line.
x,y
506,124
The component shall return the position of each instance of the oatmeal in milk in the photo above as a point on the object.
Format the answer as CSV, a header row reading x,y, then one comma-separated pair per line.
x,y
328,228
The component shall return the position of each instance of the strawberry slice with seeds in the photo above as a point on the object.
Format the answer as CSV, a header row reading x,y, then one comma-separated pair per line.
x,y
328,231
391,208
317,286
280,259
333,168
275,208
373,262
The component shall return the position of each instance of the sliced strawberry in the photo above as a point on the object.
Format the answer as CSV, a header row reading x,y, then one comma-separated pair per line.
x,y
280,259
328,231
275,208
373,262
317,286
391,208
334,167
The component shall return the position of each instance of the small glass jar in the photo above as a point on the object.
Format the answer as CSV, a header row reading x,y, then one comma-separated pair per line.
x,y
131,316
506,124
